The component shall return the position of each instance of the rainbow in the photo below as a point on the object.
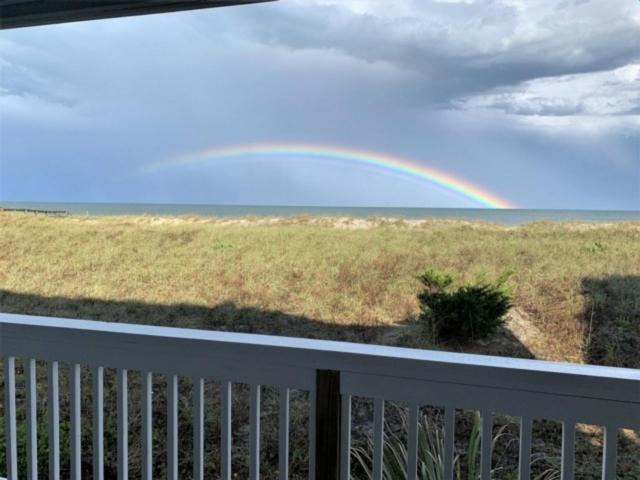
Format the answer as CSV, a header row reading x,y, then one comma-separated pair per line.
x,y
383,162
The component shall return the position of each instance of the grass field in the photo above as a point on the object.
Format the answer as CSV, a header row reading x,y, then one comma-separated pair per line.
x,y
576,287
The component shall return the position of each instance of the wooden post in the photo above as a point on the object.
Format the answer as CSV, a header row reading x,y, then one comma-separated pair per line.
x,y
327,425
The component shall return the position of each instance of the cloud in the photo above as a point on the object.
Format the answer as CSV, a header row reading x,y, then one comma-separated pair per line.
x,y
459,48
34,89
608,99
612,92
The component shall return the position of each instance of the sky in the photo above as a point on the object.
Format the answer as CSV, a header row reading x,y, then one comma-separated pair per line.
x,y
536,103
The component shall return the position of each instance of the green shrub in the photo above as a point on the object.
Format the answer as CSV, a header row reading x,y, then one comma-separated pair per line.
x,y
468,313
43,440
435,281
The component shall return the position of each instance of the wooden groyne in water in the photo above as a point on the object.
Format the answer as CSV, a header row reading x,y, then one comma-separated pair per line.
x,y
53,213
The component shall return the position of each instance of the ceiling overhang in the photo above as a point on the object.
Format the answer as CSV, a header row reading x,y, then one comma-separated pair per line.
x,y
27,13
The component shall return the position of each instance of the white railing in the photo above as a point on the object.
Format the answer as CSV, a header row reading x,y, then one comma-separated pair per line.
x,y
333,372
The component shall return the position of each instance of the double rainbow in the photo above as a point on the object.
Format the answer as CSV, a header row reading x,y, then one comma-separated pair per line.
x,y
379,161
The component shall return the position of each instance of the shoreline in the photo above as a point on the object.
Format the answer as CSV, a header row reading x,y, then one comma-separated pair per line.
x,y
507,217
325,221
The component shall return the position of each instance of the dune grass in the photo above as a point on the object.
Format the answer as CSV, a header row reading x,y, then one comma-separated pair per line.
x,y
353,279
576,285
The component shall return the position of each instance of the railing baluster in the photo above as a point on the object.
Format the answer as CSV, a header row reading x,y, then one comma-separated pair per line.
x,y
54,421
147,426
98,422
254,433
568,449
312,435
610,453
378,438
10,417
75,419
525,448
486,428
412,457
172,427
449,441
345,437
198,429
283,433
225,429
123,425
32,420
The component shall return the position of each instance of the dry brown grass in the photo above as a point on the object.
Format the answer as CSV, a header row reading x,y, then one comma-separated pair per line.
x,y
351,278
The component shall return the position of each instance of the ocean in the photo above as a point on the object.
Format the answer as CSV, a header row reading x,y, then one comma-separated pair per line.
x,y
500,216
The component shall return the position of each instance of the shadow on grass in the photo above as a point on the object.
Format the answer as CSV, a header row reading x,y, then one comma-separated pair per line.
x,y
228,316
223,317
612,320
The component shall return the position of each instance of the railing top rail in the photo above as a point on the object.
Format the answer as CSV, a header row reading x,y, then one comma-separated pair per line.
x,y
24,334
327,346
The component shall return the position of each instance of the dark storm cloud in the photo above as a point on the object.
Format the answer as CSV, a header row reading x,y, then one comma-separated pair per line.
x,y
459,48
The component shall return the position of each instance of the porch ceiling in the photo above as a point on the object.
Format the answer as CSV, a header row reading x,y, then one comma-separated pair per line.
x,y
26,13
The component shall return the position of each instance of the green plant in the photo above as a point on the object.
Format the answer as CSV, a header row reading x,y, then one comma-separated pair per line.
x,y
435,281
468,313
43,439
221,244
595,247
430,451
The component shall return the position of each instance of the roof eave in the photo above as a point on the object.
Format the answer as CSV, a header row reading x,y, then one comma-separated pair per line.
x,y
21,13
